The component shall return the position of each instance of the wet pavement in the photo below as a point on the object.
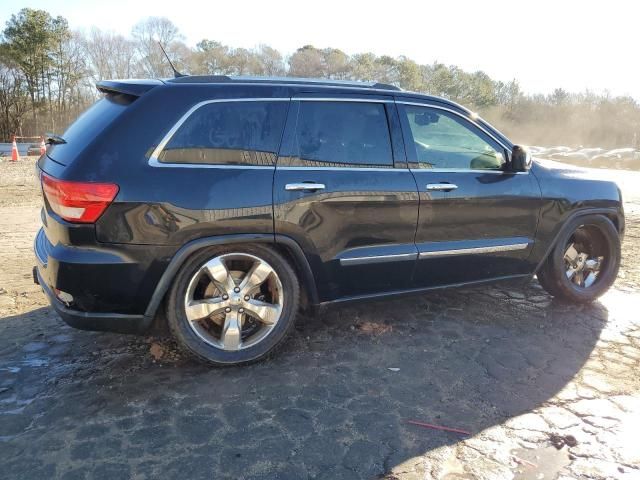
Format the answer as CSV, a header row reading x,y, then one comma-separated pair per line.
x,y
543,388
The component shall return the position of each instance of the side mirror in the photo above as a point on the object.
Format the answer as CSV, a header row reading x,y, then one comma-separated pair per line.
x,y
426,118
520,159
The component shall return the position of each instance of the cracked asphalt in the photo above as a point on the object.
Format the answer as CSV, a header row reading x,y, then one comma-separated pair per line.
x,y
545,389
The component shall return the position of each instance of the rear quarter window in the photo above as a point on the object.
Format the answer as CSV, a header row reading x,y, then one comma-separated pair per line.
x,y
229,133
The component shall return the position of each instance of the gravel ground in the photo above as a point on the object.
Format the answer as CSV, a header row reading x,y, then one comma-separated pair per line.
x,y
545,390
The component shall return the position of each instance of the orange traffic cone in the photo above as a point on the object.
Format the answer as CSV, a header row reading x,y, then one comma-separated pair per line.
x,y
43,147
15,156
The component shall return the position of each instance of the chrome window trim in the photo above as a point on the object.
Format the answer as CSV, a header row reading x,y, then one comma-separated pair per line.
x,y
352,169
468,170
154,160
156,163
470,120
378,259
342,99
474,250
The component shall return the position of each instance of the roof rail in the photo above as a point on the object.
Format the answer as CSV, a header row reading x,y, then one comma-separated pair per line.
x,y
289,80
386,86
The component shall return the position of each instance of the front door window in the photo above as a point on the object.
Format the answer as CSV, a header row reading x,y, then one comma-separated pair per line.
x,y
442,140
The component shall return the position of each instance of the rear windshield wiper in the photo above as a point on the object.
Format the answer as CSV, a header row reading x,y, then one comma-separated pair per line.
x,y
53,139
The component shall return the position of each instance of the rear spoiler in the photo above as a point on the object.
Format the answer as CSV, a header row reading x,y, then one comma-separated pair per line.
x,y
127,87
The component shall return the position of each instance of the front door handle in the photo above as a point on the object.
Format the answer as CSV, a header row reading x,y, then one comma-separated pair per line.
x,y
292,187
442,187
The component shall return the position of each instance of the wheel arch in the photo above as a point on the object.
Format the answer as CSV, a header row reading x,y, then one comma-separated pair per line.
x,y
613,215
290,249
282,244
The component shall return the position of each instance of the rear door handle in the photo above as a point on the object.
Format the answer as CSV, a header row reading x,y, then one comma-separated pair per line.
x,y
443,187
304,186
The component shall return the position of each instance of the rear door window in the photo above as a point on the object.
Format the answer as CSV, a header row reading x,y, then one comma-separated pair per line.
x,y
229,133
338,133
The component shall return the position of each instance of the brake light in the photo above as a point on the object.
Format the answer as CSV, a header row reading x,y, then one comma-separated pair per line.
x,y
78,202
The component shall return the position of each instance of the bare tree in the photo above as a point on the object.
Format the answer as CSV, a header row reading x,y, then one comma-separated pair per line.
x,y
270,61
336,64
14,100
306,62
212,58
109,55
366,67
147,33
309,61
244,62
69,66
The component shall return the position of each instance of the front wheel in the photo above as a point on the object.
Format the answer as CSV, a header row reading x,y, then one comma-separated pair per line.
x,y
233,305
584,262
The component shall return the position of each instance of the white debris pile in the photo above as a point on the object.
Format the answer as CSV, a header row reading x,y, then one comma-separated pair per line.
x,y
620,158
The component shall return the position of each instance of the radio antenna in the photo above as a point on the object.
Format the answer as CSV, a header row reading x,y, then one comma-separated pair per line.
x,y
176,73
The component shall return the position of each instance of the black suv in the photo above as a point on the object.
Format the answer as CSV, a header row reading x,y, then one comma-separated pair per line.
x,y
230,203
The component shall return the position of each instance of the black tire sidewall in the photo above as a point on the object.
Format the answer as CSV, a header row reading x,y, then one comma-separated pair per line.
x,y
612,264
188,339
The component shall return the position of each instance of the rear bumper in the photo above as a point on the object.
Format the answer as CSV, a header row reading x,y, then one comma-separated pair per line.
x,y
108,288
103,322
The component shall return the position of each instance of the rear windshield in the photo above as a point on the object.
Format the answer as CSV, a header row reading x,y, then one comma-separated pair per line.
x,y
88,126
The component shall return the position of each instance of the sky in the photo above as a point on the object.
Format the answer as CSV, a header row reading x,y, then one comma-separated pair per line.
x,y
544,44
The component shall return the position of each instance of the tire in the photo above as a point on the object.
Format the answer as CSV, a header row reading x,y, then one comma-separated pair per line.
x,y
198,337
602,237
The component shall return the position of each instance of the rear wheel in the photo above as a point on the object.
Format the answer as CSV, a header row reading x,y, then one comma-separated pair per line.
x,y
585,261
233,305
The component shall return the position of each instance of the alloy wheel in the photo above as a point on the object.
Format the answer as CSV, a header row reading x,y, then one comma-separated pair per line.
x,y
581,258
234,301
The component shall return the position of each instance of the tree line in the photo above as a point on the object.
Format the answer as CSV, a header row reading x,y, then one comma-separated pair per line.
x,y
48,74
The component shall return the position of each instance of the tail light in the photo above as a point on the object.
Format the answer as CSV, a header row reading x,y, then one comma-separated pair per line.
x,y
78,202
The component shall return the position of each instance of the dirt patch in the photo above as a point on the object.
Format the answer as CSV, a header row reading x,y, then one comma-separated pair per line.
x,y
375,329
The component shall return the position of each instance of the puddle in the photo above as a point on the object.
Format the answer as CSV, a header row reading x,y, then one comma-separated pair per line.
x,y
62,338
29,362
34,346
9,399
35,362
540,463
18,405
11,369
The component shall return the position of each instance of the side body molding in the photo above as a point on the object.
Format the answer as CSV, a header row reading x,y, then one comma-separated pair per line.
x,y
301,262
